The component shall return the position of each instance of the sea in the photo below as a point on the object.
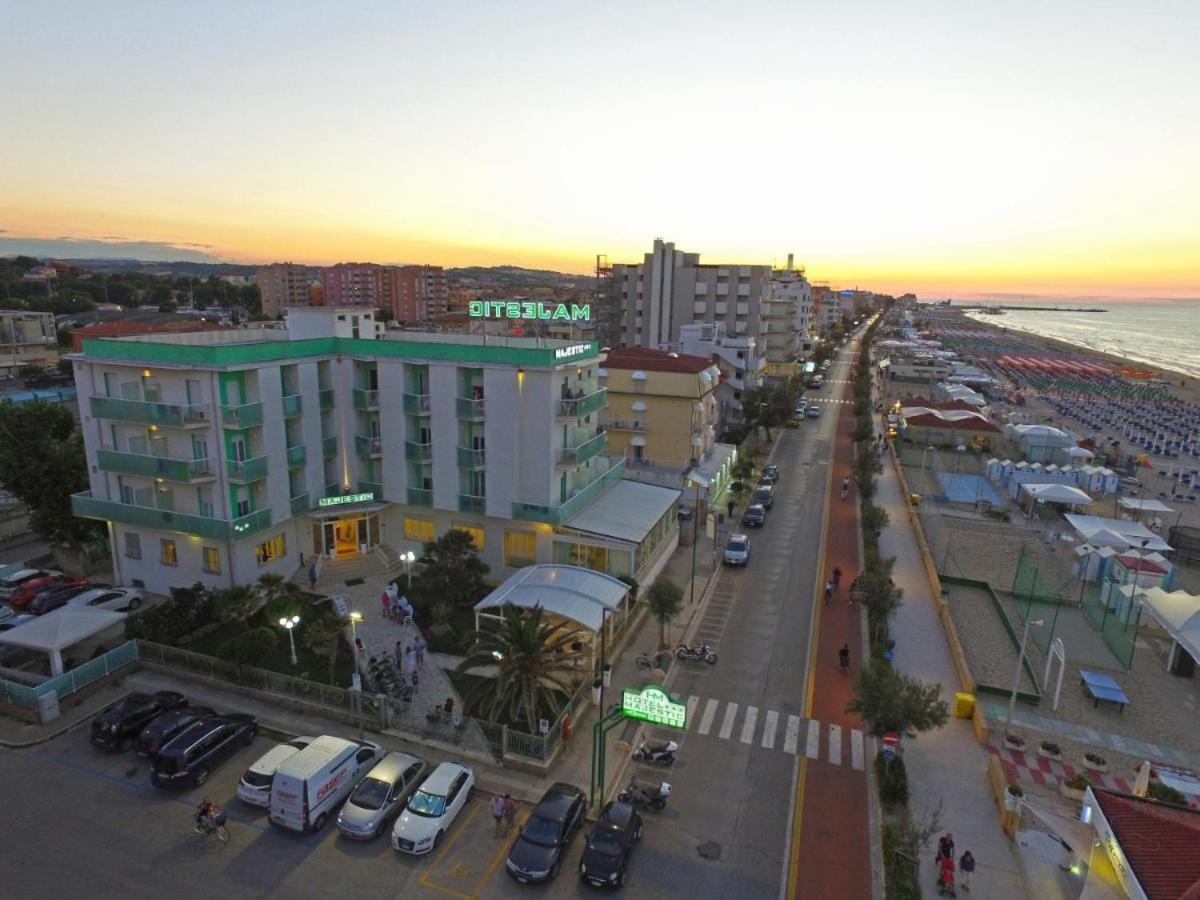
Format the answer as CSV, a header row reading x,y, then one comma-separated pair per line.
x,y
1164,334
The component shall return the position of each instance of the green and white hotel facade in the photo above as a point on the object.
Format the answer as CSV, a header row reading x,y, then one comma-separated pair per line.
x,y
218,456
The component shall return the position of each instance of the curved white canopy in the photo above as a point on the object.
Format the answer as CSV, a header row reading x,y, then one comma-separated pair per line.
x,y
572,592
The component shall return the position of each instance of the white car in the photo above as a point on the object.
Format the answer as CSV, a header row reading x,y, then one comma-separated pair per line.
x,y
737,551
10,584
255,785
432,809
119,599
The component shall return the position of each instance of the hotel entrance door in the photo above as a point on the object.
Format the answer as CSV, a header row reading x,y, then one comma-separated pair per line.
x,y
346,535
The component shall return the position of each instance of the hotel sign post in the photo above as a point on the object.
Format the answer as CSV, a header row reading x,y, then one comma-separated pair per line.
x,y
650,704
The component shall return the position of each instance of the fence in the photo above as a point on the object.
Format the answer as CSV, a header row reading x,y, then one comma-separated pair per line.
x,y
1117,620
1034,696
76,679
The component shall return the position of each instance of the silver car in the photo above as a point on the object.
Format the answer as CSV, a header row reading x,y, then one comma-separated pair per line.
x,y
381,796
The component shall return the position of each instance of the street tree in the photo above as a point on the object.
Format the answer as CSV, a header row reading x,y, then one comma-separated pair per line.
x,y
323,636
889,701
665,599
451,570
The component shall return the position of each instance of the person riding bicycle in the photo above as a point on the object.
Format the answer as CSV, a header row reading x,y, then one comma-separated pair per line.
x,y
828,591
207,812
845,486
844,657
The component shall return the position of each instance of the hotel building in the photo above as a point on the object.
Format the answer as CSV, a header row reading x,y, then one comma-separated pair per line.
x,y
26,339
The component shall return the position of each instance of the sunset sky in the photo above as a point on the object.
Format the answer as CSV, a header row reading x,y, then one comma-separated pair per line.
x,y
947,148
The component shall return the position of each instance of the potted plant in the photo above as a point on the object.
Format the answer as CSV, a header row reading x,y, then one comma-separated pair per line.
x,y
1095,762
1074,786
1014,742
1050,750
1012,797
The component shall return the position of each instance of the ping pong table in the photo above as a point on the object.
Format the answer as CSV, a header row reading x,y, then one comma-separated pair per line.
x,y
1103,687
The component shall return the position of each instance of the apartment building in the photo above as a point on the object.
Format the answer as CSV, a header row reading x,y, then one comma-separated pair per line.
x,y
787,316
282,285
218,456
363,285
741,365
418,293
27,339
671,289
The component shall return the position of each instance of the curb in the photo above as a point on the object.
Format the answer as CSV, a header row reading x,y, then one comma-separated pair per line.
x,y
25,745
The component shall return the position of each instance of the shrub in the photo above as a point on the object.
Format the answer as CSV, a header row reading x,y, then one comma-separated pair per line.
x,y
1166,794
1015,790
1051,748
893,780
248,646
1095,759
900,864
1078,782
188,610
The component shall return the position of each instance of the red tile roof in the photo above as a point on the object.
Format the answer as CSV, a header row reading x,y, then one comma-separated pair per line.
x,y
1161,843
1137,564
649,360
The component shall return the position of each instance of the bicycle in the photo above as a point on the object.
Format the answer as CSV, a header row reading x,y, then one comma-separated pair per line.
x,y
207,826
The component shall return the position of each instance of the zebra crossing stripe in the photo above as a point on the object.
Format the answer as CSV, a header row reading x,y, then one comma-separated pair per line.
x,y
835,744
812,747
772,722
792,735
748,725
727,722
856,749
710,710
692,702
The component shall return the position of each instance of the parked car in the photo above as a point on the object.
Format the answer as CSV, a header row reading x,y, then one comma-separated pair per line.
x,y
538,851
120,723
737,550
611,841
255,784
163,727
54,597
684,513
814,411
755,516
432,808
310,785
190,757
27,592
764,494
117,599
381,796
772,471
10,584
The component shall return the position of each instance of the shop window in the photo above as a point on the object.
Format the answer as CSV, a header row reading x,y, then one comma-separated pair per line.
x,y
475,533
583,555
270,550
133,545
520,548
168,555
418,530
212,560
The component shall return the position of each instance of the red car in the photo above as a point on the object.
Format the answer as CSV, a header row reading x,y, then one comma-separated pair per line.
x,y
26,592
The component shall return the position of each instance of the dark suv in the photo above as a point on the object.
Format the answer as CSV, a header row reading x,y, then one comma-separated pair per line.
x,y
538,852
164,727
190,756
120,723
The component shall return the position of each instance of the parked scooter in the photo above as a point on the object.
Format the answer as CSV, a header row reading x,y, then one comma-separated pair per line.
x,y
650,660
655,797
699,653
662,752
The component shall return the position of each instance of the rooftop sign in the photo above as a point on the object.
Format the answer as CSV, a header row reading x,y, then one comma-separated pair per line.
x,y
571,350
346,498
526,309
654,705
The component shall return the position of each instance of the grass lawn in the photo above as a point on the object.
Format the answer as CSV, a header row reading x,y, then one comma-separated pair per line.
x,y
278,658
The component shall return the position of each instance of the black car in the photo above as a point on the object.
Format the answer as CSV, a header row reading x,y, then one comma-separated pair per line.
x,y
764,494
538,852
121,722
190,757
164,727
54,597
606,855
754,516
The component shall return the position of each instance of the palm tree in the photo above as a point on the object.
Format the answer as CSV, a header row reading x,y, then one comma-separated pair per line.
x,y
533,672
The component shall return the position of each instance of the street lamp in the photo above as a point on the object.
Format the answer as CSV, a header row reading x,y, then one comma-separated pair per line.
x,y
290,622
355,618
699,481
408,559
356,684
1012,700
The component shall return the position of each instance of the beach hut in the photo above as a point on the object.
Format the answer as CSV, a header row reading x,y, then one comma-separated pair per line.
x,y
993,470
1109,481
1092,560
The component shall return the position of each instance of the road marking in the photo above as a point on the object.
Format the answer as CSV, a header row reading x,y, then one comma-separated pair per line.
x,y
710,710
856,749
792,736
727,722
748,725
768,738
812,746
500,854
693,702
835,744
424,881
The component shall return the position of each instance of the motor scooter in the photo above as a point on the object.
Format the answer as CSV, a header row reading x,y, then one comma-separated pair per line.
x,y
661,752
639,796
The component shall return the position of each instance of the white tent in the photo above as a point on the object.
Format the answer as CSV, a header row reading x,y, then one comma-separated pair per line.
x,y
1147,505
1056,493
56,631
1100,530
1079,453
1179,613
572,592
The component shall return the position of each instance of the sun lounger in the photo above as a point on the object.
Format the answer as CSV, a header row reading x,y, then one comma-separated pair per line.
x,y
1103,687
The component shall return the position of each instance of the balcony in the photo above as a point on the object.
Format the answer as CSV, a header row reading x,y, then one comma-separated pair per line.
x,y
562,513
329,447
155,466
172,415
364,399
420,497
470,409
371,487
577,407
246,471
86,506
469,503
622,425
415,452
417,404
326,398
296,456
245,416
471,459
368,446
300,505
574,456
293,405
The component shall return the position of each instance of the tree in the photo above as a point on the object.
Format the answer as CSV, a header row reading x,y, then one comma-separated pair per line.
x,y
890,701
665,599
451,570
323,636
766,406
42,463
248,646
235,604
533,671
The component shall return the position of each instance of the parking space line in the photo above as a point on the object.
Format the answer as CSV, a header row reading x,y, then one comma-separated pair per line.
x,y
727,722
710,712
791,737
424,879
500,854
748,725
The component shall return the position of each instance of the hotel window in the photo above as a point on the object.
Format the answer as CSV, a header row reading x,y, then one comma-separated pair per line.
x,y
212,560
520,548
168,555
133,545
475,533
271,549
418,530
594,558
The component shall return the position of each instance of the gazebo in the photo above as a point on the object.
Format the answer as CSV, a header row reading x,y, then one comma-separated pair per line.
x,y
56,631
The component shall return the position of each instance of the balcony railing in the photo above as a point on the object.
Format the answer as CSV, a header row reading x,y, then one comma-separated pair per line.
x,y
248,470
329,446
574,456
420,497
371,487
576,407
300,504
154,466
245,416
326,398
415,452
169,414
368,446
563,512
469,458
296,456
364,399
86,506
469,408
417,404
293,405
622,425
469,503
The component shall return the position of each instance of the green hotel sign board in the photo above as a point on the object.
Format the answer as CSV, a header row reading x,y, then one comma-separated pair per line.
x,y
529,309
346,498
654,705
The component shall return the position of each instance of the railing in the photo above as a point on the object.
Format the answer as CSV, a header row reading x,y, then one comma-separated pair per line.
x,y
469,458
293,405
247,470
88,507
418,452
300,504
573,456
245,416
622,425
154,466
364,399
170,414
326,398
73,680
469,503
329,446
417,404
576,407
371,487
470,408
296,456
557,515
420,497
367,445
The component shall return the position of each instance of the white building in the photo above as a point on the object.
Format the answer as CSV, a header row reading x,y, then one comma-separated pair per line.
x,y
26,338
217,456
787,316
742,367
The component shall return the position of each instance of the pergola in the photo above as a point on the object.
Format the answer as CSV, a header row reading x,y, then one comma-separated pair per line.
x,y
56,631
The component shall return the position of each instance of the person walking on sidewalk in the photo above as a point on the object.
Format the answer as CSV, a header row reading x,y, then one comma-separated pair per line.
x,y
966,865
419,649
510,812
497,806
845,486
312,575
945,847
837,577
844,658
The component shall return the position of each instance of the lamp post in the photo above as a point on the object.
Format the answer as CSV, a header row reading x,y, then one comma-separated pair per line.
x,y
1012,700
356,685
355,618
290,622
408,559
698,482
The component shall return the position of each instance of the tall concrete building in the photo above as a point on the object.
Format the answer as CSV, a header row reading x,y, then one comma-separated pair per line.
x,y
787,315
282,285
362,285
740,362
418,293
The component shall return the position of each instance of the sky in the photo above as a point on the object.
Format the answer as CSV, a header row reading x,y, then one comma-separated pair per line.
x,y
947,148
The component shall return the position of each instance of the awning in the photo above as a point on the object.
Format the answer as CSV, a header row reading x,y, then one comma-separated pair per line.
x,y
1176,611
61,629
626,511
1144,505
1133,534
1057,493
572,592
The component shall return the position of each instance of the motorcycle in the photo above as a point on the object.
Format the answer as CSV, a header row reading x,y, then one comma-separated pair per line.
x,y
662,753
699,653
656,797
652,660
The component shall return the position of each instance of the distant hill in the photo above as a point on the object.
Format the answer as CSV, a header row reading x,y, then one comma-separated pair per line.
x,y
519,277
173,267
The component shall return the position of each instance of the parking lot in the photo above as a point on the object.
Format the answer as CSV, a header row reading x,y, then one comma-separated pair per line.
x,y
81,820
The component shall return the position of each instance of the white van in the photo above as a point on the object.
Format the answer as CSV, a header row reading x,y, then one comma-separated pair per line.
x,y
309,785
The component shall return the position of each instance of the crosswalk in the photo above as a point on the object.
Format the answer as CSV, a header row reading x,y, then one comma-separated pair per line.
x,y
771,730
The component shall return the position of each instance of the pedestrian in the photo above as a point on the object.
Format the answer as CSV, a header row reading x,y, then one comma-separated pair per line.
x,y
419,649
729,507
946,847
845,486
497,807
404,610
410,661
853,590
844,658
837,577
399,655
386,603
966,865
510,812
312,575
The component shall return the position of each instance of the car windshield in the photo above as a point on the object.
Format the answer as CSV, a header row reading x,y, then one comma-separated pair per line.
x,y
541,831
605,841
737,545
423,804
371,793
258,779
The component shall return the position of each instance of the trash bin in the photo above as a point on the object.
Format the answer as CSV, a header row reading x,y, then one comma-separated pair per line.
x,y
964,705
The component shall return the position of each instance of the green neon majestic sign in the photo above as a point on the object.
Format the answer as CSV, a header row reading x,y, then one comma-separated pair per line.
x,y
526,309
654,705
346,498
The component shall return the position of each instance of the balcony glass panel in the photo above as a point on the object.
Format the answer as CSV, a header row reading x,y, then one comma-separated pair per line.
x,y
364,399
417,404
248,470
576,407
418,452
292,406
469,503
368,446
326,398
300,505
329,446
573,456
561,513
470,409
296,456
371,487
89,507
154,466
245,416
420,497
471,459
170,414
